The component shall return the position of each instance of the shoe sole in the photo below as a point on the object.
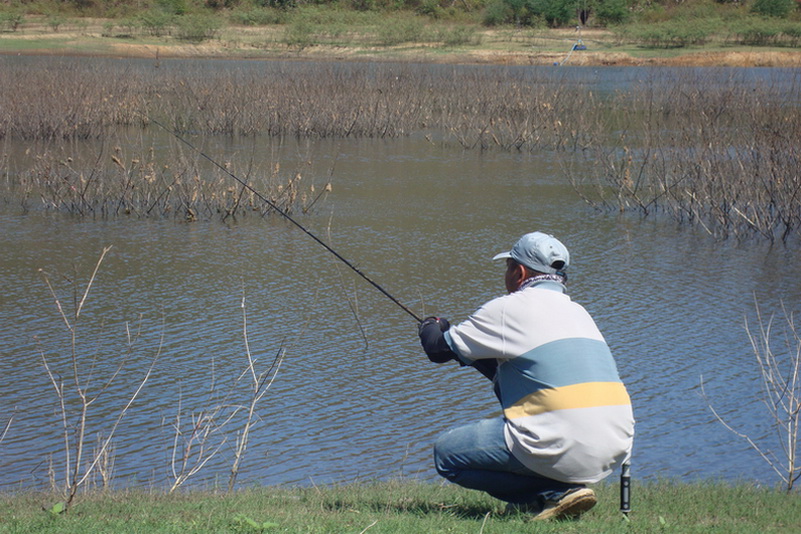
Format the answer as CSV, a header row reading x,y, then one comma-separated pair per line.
x,y
571,506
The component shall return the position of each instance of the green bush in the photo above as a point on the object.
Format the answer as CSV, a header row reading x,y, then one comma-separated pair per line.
x,y
398,30
176,7
325,15
258,16
755,31
128,25
220,4
555,12
279,4
108,29
674,34
156,22
11,20
653,13
773,8
363,5
528,12
197,27
457,34
496,13
430,8
55,22
612,12
299,33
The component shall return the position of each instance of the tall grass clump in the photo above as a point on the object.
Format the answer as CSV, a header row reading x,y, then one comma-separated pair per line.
x,y
60,102
143,183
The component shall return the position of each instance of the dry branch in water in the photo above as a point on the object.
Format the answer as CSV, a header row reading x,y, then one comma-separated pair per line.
x,y
780,375
77,395
5,429
200,440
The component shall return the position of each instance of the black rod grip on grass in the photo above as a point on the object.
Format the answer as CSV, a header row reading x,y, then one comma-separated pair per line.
x,y
625,487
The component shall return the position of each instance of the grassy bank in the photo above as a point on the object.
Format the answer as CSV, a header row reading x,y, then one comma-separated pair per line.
x,y
719,36
399,508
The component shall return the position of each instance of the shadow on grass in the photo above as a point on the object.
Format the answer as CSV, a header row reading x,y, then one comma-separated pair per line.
x,y
415,506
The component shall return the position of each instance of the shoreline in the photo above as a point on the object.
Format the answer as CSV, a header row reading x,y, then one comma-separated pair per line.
x,y
509,58
263,44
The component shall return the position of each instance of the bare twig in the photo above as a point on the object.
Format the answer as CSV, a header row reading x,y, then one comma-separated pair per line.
x,y
259,385
351,298
780,374
484,522
76,417
5,428
368,527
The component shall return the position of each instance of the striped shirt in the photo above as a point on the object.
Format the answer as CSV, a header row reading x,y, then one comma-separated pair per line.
x,y
568,415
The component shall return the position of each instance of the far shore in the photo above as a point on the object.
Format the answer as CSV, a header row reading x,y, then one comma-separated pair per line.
x,y
550,47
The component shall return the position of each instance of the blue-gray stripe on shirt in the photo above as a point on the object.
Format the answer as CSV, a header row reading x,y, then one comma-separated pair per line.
x,y
559,363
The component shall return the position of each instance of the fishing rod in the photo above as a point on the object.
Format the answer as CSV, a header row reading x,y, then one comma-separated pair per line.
x,y
289,218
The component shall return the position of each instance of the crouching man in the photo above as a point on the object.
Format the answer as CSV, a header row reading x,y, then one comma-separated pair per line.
x,y
567,419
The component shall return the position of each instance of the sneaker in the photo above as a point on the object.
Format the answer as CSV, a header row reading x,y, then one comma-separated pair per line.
x,y
571,505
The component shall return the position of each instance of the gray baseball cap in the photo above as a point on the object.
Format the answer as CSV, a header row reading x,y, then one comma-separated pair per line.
x,y
540,252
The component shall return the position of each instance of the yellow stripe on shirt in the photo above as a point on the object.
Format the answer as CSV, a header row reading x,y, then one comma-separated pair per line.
x,y
585,395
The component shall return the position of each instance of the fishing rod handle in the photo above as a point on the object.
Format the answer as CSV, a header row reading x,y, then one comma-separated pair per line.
x,y
625,488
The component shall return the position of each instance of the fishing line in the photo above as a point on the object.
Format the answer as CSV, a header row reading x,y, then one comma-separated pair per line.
x,y
289,218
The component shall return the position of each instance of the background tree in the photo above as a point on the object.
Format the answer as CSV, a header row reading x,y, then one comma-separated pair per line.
x,y
773,8
608,12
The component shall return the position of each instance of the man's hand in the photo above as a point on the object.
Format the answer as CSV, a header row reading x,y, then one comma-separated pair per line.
x,y
439,321
432,340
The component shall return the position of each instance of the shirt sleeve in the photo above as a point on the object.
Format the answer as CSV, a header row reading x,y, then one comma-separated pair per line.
x,y
480,336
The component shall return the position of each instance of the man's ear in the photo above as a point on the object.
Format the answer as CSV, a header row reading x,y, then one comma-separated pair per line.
x,y
520,273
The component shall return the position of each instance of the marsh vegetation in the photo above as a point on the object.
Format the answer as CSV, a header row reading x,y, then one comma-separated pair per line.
x,y
718,151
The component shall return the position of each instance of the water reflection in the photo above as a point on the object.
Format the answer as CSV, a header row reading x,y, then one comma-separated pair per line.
x,y
355,398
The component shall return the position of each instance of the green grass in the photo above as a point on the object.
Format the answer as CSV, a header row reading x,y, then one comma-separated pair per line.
x,y
400,508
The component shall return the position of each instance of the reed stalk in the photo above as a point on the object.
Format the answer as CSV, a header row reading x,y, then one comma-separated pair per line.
x,y
140,182
707,151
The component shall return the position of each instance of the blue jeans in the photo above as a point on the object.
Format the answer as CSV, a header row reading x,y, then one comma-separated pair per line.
x,y
475,456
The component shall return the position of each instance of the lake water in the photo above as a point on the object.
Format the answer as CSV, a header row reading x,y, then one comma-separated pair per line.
x,y
355,398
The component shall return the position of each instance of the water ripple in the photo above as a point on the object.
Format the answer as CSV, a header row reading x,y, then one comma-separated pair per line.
x,y
355,398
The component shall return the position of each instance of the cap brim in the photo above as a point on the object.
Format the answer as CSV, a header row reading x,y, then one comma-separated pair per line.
x,y
502,256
